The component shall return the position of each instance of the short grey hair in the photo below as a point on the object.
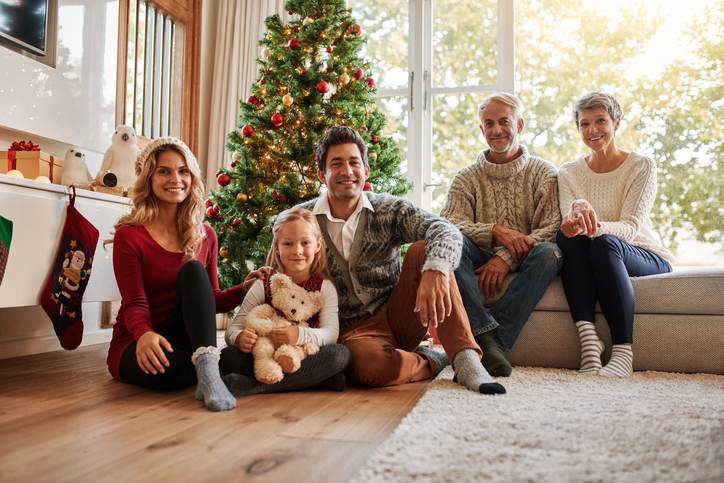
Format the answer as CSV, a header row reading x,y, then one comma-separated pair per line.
x,y
593,100
508,99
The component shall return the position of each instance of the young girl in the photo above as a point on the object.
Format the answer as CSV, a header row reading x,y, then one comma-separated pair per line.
x,y
164,258
298,251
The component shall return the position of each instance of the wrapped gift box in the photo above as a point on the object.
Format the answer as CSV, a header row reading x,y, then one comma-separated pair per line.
x,y
32,164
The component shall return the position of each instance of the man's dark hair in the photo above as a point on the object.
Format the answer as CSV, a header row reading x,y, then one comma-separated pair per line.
x,y
334,136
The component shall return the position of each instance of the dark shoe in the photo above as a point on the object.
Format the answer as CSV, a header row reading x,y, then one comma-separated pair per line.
x,y
494,359
438,360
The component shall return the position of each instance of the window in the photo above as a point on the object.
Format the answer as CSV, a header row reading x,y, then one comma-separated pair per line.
x,y
158,68
439,58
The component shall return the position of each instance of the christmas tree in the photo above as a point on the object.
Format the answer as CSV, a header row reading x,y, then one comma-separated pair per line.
x,y
310,77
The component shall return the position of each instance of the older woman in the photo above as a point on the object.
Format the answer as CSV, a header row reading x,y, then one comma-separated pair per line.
x,y
606,234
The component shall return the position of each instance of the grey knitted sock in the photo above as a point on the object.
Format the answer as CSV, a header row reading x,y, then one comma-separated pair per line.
x,y
469,372
210,388
330,360
438,360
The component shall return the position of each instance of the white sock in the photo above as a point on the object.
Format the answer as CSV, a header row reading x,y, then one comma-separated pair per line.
x,y
591,347
621,362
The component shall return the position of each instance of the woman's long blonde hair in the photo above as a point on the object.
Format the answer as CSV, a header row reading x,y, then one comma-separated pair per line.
x,y
190,216
319,264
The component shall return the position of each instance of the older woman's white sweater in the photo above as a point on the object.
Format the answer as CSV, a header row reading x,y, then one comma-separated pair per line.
x,y
622,198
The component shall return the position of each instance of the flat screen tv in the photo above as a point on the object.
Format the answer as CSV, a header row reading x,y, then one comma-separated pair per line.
x,y
25,22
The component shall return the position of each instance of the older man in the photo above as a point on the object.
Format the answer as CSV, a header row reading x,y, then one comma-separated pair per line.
x,y
506,205
384,310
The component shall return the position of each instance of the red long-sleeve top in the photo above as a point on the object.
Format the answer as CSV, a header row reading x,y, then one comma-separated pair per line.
x,y
146,276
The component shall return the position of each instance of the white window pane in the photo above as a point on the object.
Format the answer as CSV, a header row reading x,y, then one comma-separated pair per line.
x,y
464,42
385,24
456,140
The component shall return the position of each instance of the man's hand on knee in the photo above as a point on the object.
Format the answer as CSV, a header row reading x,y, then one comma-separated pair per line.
x,y
491,276
433,298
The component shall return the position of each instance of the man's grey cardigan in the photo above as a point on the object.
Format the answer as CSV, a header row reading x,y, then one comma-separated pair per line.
x,y
365,282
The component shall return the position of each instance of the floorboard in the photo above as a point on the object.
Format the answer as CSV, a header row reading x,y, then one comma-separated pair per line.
x,y
62,418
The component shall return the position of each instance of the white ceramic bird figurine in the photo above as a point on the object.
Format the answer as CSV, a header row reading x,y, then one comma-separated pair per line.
x,y
117,169
75,170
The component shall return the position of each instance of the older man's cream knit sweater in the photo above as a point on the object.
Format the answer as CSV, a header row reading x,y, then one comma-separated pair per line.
x,y
521,194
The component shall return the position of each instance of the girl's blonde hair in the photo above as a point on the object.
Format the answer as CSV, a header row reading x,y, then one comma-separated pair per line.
x,y
190,217
319,264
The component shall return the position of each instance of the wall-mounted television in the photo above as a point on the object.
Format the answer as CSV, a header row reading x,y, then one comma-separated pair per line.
x,y
25,22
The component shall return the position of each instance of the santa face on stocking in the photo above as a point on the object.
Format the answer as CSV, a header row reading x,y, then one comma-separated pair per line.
x,y
73,272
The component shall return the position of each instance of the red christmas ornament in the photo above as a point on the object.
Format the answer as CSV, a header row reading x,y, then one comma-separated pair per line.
x,y
262,82
213,211
247,131
375,138
208,203
294,43
330,49
359,74
234,164
235,222
368,186
267,71
371,82
279,196
253,100
355,29
323,86
277,119
223,179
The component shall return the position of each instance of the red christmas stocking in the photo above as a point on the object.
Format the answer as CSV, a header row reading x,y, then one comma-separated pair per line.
x,y
6,235
61,299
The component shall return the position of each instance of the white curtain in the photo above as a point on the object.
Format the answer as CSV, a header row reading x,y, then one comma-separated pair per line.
x,y
239,27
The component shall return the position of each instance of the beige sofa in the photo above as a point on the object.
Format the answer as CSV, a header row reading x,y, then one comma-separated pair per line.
x,y
679,325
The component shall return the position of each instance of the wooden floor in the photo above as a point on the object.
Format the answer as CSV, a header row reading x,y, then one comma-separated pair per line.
x,y
62,418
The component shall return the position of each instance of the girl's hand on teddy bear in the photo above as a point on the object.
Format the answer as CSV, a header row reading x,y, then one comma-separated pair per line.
x,y
287,335
254,276
246,340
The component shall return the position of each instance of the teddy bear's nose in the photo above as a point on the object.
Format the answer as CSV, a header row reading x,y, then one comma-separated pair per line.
x,y
125,137
294,311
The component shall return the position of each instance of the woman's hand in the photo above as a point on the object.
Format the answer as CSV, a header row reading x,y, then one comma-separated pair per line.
x,y
254,276
246,340
571,226
287,335
149,353
586,217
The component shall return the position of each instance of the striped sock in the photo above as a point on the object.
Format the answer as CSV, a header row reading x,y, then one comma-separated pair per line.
x,y
591,347
621,362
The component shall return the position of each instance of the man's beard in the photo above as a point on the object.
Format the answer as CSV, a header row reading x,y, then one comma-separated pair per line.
x,y
508,147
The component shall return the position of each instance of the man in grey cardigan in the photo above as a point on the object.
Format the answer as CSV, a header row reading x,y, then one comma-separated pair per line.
x,y
506,205
384,308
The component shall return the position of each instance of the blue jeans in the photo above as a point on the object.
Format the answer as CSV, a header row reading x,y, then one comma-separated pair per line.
x,y
599,269
510,313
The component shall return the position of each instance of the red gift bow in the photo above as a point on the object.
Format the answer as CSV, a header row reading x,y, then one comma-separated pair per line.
x,y
24,146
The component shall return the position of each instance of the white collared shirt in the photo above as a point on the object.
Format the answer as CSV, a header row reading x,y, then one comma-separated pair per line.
x,y
342,231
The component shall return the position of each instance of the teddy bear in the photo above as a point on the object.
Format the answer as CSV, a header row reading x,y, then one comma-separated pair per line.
x,y
291,305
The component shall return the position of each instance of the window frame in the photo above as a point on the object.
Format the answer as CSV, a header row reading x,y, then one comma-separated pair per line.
x,y
188,14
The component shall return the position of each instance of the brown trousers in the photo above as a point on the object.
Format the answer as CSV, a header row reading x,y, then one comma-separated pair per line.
x,y
381,344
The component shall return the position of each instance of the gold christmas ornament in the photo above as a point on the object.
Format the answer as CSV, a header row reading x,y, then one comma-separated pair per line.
x,y
344,79
224,252
236,156
307,21
287,100
372,155
242,197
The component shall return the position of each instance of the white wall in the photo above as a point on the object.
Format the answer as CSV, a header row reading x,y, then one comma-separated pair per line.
x,y
72,105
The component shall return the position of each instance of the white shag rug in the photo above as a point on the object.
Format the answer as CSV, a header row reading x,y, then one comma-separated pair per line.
x,y
555,425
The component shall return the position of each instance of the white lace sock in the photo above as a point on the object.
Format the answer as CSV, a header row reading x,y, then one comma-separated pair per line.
x,y
621,362
591,347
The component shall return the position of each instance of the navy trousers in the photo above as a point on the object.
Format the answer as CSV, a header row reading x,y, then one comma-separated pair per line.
x,y
598,269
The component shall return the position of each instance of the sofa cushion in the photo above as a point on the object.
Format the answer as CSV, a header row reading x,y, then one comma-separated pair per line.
x,y
688,291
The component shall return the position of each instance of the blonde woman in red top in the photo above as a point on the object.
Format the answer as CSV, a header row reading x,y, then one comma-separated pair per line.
x,y
165,262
